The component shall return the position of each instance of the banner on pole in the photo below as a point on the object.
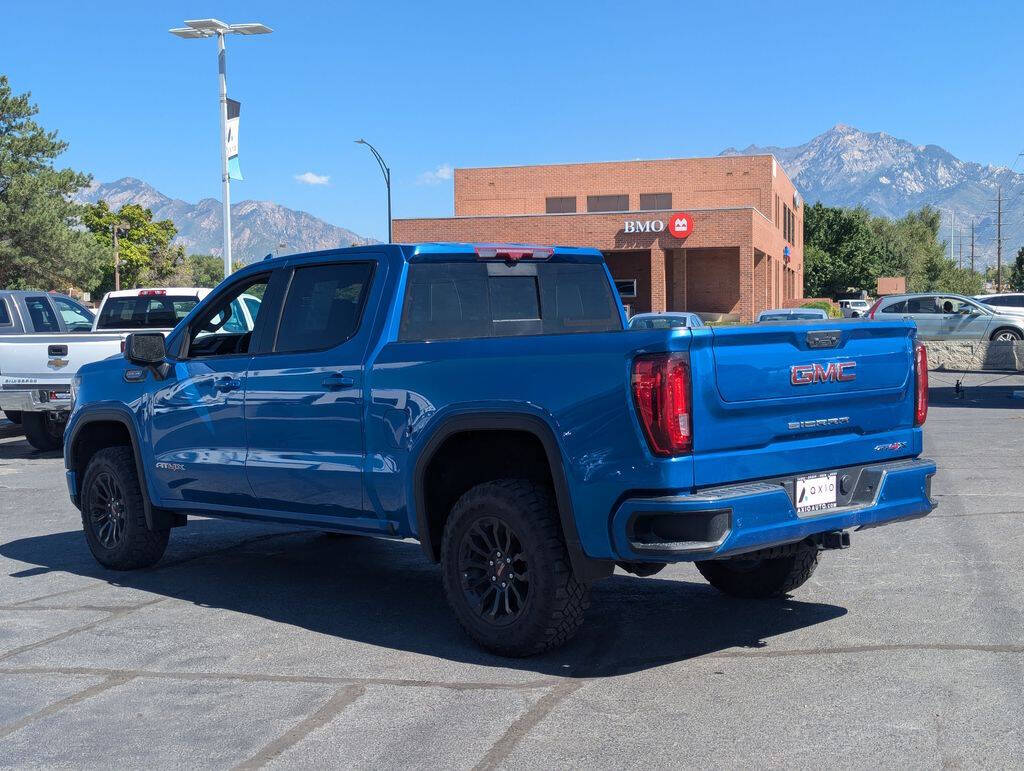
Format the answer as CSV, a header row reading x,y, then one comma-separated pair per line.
x,y
234,109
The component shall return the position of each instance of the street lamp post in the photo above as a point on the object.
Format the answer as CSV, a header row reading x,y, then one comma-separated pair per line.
x,y
387,177
200,28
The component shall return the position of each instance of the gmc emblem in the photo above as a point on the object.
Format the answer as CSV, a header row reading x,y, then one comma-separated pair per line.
x,y
807,374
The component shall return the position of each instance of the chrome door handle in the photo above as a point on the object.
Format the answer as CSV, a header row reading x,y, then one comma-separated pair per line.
x,y
338,380
227,384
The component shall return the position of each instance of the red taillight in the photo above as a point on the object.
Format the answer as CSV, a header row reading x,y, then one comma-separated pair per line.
x,y
921,384
873,308
661,392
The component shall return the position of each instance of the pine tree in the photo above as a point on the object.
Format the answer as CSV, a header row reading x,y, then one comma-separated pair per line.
x,y
41,246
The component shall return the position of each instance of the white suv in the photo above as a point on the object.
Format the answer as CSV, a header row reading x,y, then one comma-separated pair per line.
x,y
854,309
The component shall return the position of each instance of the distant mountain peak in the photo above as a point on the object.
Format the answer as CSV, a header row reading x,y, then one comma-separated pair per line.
x,y
845,166
257,227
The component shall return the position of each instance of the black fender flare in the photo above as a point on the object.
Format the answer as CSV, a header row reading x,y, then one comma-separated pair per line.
x,y
586,568
156,518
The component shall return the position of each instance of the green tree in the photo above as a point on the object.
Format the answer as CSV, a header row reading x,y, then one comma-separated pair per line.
x,y
205,270
40,246
843,255
1017,272
144,245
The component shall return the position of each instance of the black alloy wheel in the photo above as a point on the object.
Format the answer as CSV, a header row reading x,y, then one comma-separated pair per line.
x,y
495,572
107,510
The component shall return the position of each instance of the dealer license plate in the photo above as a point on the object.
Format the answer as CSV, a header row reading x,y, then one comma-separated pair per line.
x,y
816,493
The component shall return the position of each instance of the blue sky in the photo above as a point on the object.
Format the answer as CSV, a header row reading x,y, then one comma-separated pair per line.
x,y
437,85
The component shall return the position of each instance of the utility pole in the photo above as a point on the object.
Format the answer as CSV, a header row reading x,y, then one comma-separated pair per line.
x,y
972,246
961,234
115,228
952,219
999,240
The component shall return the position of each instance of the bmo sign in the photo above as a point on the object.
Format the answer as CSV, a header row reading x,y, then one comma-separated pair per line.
x,y
679,225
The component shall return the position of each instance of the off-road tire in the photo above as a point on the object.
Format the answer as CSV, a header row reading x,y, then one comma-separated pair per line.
x,y
14,416
138,546
767,576
41,432
1009,332
555,600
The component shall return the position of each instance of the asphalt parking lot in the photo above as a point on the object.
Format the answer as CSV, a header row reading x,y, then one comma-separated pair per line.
x,y
259,646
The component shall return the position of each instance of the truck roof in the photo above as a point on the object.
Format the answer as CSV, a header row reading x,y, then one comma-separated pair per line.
x,y
434,250
188,291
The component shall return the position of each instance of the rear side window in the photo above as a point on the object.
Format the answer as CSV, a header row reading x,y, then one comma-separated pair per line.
x,y
895,307
323,306
145,311
5,315
452,300
42,315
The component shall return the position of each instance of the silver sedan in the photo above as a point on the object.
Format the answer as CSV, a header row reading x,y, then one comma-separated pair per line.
x,y
950,317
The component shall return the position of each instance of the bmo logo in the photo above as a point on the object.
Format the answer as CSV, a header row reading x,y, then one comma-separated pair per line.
x,y
679,225
643,226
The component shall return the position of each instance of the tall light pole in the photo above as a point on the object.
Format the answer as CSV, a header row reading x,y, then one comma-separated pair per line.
x,y
387,177
199,28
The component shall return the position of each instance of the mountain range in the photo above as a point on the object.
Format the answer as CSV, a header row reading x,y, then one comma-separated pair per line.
x,y
845,166
257,227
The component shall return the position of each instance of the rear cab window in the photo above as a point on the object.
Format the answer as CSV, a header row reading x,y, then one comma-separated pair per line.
x,y
145,311
5,315
453,300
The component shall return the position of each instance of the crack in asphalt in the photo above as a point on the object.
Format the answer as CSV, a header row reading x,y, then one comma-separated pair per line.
x,y
248,677
82,628
526,722
111,681
318,719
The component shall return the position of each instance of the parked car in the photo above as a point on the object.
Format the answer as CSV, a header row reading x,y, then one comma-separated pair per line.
x,y
950,317
27,312
36,371
854,309
486,401
673,320
792,314
1007,302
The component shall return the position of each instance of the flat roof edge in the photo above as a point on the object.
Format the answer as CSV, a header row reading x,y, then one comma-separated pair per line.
x,y
579,214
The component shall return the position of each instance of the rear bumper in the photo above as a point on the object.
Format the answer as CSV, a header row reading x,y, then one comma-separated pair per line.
x,y
35,399
732,519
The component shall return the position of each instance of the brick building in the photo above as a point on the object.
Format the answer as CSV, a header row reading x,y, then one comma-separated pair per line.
x,y
720,235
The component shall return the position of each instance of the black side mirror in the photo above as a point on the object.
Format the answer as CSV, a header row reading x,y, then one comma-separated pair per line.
x,y
145,348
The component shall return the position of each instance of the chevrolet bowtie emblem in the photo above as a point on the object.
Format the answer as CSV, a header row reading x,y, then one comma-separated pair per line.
x,y
58,363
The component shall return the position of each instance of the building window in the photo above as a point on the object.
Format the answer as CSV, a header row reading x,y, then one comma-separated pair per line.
x,y
561,204
655,201
788,224
626,287
607,203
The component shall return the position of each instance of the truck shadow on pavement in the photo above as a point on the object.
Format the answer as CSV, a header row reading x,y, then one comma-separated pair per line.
x,y
386,593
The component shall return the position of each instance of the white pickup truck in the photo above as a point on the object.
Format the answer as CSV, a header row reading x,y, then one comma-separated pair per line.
x,y
37,370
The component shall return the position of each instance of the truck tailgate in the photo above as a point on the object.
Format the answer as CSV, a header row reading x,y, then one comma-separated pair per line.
x,y
51,359
801,397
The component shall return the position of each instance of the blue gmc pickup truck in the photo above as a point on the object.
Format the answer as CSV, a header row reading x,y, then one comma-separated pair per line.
x,y
489,401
